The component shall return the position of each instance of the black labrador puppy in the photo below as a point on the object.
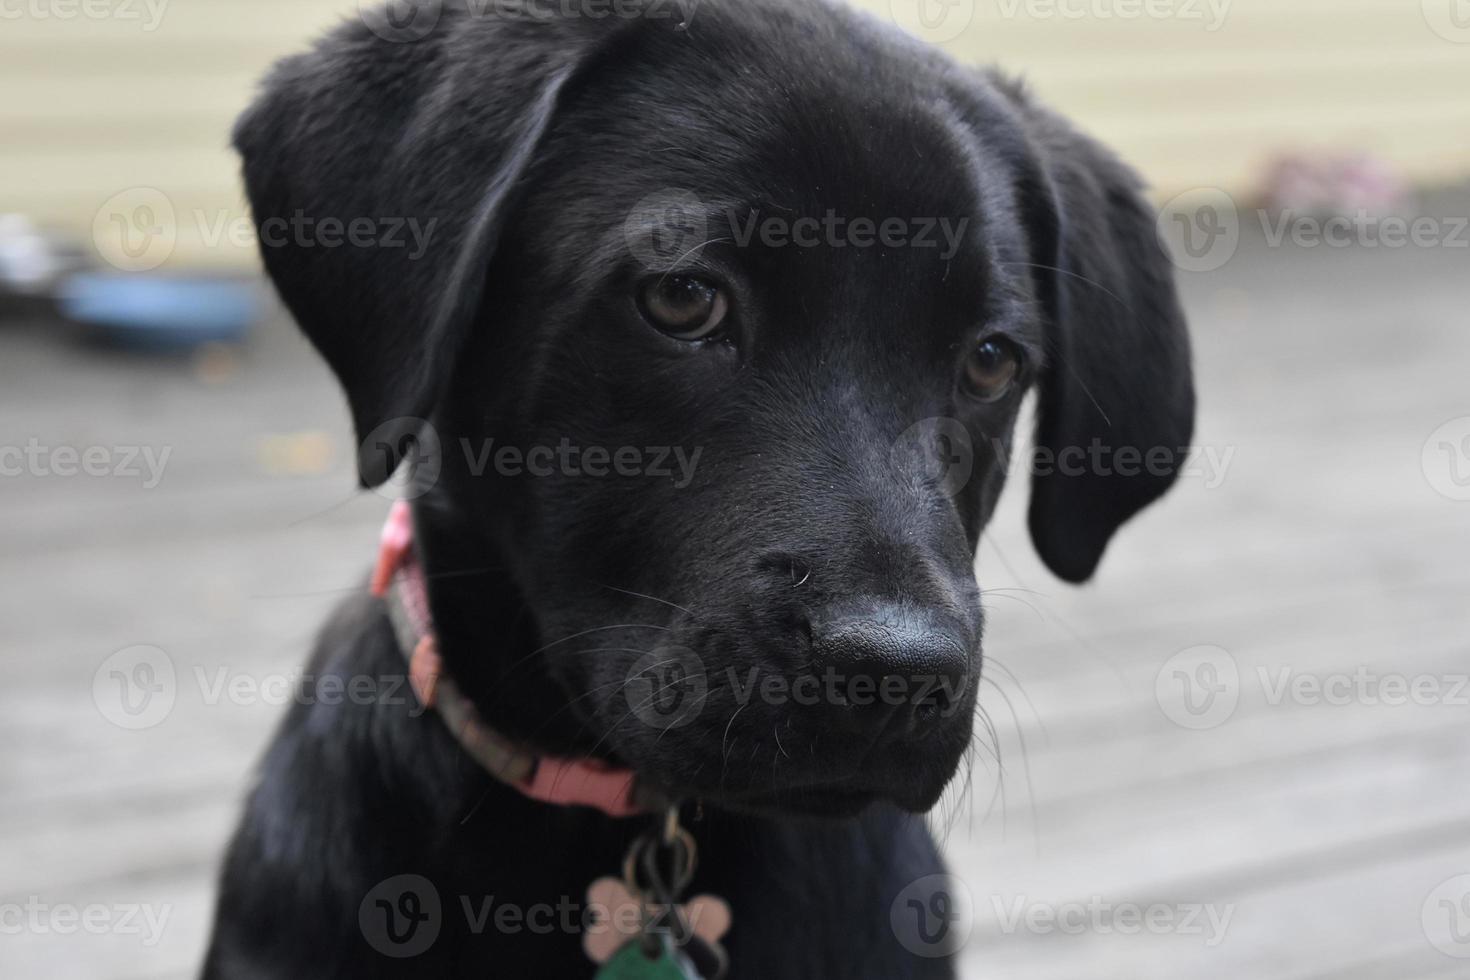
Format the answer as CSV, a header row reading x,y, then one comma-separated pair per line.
x,y
706,351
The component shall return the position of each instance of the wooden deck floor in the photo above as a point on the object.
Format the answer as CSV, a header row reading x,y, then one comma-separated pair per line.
x,y
1292,840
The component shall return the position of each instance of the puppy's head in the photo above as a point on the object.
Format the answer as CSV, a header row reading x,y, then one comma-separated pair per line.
x,y
721,326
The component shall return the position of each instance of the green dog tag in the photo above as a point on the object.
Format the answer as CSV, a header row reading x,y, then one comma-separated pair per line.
x,y
632,962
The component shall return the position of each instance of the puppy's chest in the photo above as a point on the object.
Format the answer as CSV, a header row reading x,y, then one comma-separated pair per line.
x,y
793,918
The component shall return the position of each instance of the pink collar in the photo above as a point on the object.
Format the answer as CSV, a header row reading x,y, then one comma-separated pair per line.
x,y
399,580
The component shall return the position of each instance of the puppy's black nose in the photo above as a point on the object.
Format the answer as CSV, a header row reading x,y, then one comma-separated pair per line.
x,y
889,669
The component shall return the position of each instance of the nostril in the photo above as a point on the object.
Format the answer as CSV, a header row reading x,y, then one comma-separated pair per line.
x,y
935,702
785,568
917,663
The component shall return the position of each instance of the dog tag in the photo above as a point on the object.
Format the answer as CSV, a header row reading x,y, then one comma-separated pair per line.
x,y
638,929
633,962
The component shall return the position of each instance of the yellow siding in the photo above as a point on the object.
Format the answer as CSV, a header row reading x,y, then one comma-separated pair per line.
x,y
1192,106
94,107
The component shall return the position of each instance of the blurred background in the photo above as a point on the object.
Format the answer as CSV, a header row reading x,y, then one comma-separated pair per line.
x,y
1242,751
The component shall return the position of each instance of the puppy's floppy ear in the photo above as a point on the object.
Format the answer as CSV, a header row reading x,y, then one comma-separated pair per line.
x,y
1116,406
380,175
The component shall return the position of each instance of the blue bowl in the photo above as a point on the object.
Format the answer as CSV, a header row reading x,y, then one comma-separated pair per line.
x,y
161,311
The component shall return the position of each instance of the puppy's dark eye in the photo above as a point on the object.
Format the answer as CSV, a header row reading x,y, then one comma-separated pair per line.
x,y
992,369
684,307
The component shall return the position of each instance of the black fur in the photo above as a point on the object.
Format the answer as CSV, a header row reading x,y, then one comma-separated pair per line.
x,y
812,532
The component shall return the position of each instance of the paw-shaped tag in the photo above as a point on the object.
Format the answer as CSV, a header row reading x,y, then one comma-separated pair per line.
x,y
617,916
